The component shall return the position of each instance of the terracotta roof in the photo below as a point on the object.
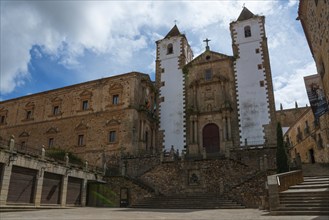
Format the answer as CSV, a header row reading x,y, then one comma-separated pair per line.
x,y
173,32
245,14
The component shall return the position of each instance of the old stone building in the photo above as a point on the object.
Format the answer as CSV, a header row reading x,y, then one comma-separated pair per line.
x,y
314,17
92,119
307,140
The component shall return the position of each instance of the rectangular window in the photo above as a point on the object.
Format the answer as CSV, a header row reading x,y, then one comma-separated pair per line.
x,y
261,83
259,66
55,110
28,114
50,142
2,119
80,140
257,50
112,136
208,75
85,105
115,99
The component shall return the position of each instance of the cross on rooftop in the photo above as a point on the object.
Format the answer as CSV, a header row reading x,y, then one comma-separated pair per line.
x,y
207,40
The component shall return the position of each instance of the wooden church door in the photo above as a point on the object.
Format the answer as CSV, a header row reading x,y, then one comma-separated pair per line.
x,y
210,136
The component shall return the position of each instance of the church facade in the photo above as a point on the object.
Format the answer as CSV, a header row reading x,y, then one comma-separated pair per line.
x,y
214,104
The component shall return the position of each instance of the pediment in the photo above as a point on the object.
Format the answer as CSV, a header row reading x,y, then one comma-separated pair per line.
x,y
116,86
86,93
112,122
56,100
81,126
52,130
3,110
208,56
29,105
24,134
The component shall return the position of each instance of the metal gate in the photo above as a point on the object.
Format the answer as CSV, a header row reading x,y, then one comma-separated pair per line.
x,y
51,188
74,189
22,185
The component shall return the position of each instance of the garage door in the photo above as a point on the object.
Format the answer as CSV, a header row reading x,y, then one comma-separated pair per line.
x,y
22,185
51,188
74,188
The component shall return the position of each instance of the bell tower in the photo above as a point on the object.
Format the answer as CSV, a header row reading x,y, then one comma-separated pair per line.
x,y
172,53
256,107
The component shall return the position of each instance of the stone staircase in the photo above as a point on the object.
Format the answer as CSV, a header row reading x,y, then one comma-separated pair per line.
x,y
310,197
187,202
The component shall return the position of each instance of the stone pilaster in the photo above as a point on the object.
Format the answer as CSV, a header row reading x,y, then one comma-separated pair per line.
x,y
5,184
38,188
64,190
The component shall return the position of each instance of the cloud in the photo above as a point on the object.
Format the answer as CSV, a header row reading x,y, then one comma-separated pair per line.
x,y
120,36
290,87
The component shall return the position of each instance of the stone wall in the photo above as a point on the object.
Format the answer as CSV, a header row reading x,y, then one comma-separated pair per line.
x,y
135,192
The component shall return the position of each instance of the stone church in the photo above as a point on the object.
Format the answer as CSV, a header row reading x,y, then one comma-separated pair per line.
x,y
215,104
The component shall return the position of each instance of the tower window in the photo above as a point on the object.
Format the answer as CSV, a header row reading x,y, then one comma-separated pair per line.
x,y
257,50
259,66
247,31
261,83
170,49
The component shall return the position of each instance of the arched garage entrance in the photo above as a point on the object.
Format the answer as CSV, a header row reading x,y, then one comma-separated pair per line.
x,y
210,135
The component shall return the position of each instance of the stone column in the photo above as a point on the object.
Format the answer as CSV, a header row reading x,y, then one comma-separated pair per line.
x,y
84,192
229,129
64,190
196,130
5,184
224,128
38,188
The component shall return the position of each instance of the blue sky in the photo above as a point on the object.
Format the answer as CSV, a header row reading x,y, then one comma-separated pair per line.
x,y
51,44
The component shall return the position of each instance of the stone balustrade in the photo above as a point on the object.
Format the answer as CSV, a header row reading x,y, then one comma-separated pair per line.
x,y
281,182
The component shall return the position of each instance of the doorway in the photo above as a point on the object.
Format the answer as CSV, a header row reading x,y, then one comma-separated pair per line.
x,y
210,136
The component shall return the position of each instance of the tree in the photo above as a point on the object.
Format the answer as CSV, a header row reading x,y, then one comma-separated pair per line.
x,y
281,155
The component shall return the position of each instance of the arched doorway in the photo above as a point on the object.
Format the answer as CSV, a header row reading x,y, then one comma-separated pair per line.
x,y
210,136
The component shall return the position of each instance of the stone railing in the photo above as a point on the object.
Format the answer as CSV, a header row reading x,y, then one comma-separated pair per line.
x,y
281,182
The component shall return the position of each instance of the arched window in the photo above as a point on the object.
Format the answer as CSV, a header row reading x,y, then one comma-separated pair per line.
x,y
247,31
170,49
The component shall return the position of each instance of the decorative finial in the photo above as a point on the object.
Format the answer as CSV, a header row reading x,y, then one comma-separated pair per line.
x,y
175,21
244,5
207,40
281,107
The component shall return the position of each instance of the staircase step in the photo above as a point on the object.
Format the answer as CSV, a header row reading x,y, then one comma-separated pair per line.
x,y
187,202
315,213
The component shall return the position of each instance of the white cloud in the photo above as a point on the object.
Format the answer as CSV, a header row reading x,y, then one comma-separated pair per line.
x,y
290,87
123,34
